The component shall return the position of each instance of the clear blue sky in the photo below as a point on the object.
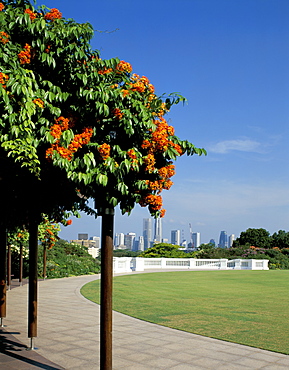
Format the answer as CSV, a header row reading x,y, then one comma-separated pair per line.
x,y
230,59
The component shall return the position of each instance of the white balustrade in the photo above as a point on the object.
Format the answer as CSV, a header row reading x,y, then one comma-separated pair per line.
x,y
129,264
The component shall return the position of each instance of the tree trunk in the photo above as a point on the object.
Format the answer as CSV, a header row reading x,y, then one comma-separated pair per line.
x,y
44,260
3,271
106,289
33,274
9,267
21,264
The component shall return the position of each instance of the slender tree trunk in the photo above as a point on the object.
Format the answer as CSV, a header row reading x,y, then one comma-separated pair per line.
x,y
44,260
33,274
21,264
106,289
9,267
3,271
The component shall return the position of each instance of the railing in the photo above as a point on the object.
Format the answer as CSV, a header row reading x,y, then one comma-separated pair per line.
x,y
128,264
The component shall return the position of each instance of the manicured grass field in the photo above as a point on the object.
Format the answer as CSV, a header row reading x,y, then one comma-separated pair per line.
x,y
247,307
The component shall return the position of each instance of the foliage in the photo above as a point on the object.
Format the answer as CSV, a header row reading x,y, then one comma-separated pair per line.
x,y
125,253
165,250
64,259
67,115
254,237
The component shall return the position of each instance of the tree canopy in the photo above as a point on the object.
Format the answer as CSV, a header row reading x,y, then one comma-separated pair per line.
x,y
74,126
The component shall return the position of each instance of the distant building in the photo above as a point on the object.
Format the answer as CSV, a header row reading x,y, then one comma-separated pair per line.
x,y
223,241
129,240
158,230
119,241
140,246
231,239
82,236
147,232
196,238
92,245
212,241
176,237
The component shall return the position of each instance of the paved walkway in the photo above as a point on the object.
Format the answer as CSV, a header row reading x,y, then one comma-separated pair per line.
x,y
68,335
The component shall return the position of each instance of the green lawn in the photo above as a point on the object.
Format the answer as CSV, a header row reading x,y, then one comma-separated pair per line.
x,y
247,307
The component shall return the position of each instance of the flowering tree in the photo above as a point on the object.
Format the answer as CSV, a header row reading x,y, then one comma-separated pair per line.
x,y
68,116
74,126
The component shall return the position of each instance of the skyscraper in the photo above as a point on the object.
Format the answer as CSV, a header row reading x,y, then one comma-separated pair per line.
x,y
223,241
147,232
158,230
231,239
176,237
196,237
129,241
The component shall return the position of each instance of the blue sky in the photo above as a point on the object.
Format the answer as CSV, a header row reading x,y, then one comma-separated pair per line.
x,y
230,59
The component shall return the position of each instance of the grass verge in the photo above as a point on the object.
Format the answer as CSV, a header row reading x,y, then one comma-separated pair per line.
x,y
246,307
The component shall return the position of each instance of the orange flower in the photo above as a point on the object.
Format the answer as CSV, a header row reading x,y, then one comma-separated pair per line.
x,y
104,151
125,93
131,153
25,55
4,37
105,71
31,14
163,212
39,102
1,7
53,14
68,222
123,66
3,79
117,113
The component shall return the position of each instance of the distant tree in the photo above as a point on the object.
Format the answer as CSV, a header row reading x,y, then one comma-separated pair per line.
x,y
165,250
125,253
280,239
254,237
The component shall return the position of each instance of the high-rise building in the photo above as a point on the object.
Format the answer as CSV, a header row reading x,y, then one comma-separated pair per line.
x,y
129,241
147,232
231,239
119,241
158,230
97,241
223,241
196,238
176,237
141,243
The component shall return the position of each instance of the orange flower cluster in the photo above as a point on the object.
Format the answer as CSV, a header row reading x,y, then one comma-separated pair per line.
x,y
32,15
141,84
63,124
25,55
149,161
131,153
4,37
47,50
160,141
164,183
53,14
104,151
80,140
39,102
1,7
125,93
105,71
123,66
3,79
117,113
154,202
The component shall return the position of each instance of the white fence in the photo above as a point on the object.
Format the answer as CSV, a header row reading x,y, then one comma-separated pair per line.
x,y
128,264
